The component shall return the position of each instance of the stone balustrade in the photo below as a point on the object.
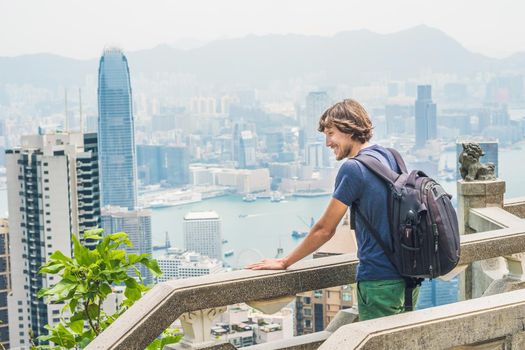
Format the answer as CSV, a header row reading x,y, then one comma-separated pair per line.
x,y
494,322
168,301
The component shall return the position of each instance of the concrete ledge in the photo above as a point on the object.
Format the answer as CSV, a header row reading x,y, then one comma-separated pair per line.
x,y
515,206
305,342
468,322
492,218
167,301
491,244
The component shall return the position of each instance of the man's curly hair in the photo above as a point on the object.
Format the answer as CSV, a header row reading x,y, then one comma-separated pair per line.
x,y
349,117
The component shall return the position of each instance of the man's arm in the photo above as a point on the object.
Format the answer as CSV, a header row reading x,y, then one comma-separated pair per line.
x,y
319,234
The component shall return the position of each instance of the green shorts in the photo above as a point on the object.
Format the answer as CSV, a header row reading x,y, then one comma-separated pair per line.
x,y
382,298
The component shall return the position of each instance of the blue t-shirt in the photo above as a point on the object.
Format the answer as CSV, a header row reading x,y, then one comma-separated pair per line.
x,y
355,183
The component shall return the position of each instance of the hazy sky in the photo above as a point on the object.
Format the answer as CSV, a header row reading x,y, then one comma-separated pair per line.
x,y
81,29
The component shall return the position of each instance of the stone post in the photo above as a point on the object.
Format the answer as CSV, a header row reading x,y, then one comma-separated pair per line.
x,y
197,328
476,194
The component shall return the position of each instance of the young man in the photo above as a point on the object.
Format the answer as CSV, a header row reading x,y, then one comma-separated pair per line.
x,y
380,288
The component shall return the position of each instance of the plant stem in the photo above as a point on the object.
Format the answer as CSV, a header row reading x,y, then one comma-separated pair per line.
x,y
86,304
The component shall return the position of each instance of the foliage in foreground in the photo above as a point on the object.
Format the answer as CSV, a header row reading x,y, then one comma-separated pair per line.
x,y
86,281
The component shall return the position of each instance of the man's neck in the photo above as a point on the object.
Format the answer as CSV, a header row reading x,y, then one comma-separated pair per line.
x,y
357,148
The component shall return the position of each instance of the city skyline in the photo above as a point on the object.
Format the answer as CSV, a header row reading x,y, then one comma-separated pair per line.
x,y
493,33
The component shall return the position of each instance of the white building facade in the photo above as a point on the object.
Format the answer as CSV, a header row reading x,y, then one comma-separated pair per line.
x,y
203,233
179,265
53,190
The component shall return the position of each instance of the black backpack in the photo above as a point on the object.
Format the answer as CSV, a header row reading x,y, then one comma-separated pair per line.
x,y
423,222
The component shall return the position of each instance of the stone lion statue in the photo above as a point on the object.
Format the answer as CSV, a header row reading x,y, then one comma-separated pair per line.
x,y
471,168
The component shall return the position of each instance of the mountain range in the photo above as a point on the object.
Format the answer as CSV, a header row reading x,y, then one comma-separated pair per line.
x,y
347,57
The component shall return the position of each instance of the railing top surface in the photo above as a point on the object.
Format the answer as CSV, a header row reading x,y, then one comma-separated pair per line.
x,y
167,301
432,324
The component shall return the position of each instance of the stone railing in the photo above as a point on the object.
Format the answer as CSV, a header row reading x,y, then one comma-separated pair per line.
x,y
168,301
197,301
493,322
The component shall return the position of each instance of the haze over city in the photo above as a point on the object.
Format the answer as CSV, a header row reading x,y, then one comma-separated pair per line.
x,y
80,29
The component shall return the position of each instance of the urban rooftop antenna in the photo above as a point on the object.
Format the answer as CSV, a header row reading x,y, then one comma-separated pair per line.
x,y
80,109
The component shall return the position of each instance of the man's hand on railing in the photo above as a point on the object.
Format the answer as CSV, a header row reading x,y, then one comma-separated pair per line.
x,y
268,264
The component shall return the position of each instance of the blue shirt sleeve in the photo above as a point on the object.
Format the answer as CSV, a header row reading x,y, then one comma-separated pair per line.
x,y
348,183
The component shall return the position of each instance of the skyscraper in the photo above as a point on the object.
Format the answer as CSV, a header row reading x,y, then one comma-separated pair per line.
x,y
137,224
426,124
163,164
53,191
202,233
316,103
115,127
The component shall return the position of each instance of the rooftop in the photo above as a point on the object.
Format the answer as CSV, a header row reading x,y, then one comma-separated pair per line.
x,y
201,215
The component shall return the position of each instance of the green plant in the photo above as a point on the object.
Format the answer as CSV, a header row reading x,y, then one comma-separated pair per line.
x,y
86,281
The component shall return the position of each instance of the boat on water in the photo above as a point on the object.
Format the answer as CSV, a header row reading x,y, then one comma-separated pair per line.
x,y
224,241
299,234
228,253
250,197
276,197
243,215
171,199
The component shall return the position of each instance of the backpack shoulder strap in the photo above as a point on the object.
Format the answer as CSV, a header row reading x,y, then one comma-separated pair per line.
x,y
388,252
399,160
374,165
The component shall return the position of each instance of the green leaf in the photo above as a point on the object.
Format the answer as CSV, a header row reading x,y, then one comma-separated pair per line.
x,y
52,268
81,253
155,345
93,311
105,289
77,326
172,339
133,258
79,315
131,283
117,254
153,266
73,305
117,235
60,289
132,293
58,255
93,232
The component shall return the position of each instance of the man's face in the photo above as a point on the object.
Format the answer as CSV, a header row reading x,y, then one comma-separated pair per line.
x,y
339,142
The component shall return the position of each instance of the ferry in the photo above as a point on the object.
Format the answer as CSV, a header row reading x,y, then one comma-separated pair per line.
x,y
228,253
276,197
299,234
250,197
171,199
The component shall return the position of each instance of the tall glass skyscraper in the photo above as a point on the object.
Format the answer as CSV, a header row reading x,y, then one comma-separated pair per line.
x,y
425,109
115,128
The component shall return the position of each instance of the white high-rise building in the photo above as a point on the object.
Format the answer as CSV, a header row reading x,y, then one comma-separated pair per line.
x,y
179,265
53,191
137,224
202,233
